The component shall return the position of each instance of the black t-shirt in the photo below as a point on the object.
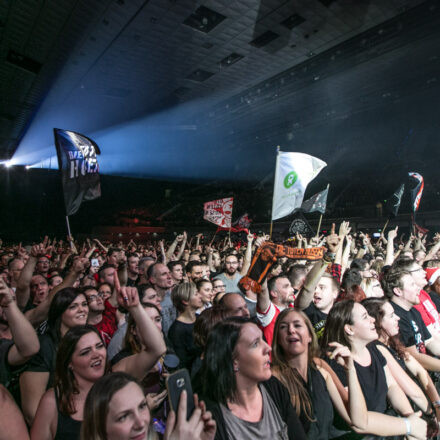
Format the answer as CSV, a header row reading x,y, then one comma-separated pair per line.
x,y
321,428
131,282
44,360
371,379
182,341
5,369
412,329
317,319
435,299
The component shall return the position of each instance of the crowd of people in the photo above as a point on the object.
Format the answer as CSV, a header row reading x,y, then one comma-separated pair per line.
x,y
345,346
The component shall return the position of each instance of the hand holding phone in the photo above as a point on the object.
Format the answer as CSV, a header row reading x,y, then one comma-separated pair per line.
x,y
176,383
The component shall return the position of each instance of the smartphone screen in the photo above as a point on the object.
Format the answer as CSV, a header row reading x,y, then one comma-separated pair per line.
x,y
176,383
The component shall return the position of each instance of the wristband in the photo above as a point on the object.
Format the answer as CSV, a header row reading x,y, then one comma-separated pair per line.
x,y
436,404
408,426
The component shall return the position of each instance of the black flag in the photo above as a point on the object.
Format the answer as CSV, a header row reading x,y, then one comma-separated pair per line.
x,y
300,225
79,168
318,202
392,205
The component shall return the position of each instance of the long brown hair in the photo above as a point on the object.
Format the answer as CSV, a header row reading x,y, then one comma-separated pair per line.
x,y
131,341
96,407
374,308
289,376
340,315
65,383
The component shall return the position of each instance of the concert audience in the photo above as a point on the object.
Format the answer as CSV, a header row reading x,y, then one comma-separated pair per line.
x,y
156,300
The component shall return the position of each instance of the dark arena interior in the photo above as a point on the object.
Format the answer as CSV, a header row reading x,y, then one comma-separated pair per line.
x,y
233,199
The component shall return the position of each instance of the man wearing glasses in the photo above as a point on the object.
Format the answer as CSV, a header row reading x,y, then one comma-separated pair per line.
x,y
101,317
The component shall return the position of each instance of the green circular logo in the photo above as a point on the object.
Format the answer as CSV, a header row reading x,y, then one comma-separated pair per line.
x,y
290,179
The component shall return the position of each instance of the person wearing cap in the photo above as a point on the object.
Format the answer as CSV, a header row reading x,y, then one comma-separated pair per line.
x,y
433,278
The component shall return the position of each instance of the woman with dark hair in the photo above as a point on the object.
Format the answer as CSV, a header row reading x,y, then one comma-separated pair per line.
x,y
401,363
187,301
116,409
237,383
349,324
133,345
202,327
67,310
204,288
80,362
149,339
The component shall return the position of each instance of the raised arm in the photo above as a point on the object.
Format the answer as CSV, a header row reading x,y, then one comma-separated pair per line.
x,y
263,298
37,315
434,249
344,230
346,254
389,258
153,342
25,339
305,295
100,245
182,246
172,248
22,292
248,255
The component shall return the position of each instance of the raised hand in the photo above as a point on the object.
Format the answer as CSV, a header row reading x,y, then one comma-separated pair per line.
x,y
392,233
128,297
6,294
80,264
155,399
344,229
332,242
341,354
21,253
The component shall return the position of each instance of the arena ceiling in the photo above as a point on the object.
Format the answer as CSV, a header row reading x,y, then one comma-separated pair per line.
x,y
177,89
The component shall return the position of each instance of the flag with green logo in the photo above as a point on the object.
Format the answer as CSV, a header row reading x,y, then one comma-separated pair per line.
x,y
293,172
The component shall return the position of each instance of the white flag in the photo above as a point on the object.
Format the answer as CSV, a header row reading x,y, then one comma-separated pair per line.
x,y
294,171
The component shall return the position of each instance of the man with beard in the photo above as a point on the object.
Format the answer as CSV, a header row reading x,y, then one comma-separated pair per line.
x,y
194,271
231,275
160,277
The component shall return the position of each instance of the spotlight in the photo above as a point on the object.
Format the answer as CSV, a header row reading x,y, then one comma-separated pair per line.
x,y
27,167
7,164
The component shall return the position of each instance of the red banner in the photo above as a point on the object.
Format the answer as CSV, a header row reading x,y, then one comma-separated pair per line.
x,y
233,229
219,212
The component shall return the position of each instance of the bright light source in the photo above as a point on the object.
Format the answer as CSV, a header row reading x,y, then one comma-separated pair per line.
x,y
27,167
7,164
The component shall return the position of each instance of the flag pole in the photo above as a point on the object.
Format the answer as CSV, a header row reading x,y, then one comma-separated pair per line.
x,y
69,234
212,241
320,217
273,196
385,226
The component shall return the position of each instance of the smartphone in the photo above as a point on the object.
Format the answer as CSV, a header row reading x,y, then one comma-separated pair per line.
x,y
376,234
176,383
95,262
